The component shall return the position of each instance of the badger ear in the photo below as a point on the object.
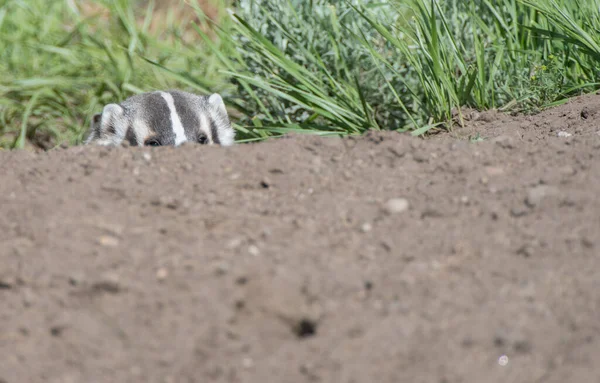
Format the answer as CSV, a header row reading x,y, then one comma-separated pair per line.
x,y
225,134
108,127
216,102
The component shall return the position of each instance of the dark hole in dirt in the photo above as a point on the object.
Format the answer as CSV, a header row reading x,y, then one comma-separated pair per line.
x,y
522,346
585,113
57,330
264,184
110,287
305,328
499,341
241,281
5,285
368,285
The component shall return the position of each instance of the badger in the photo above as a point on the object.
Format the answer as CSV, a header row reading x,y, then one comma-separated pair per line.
x,y
163,118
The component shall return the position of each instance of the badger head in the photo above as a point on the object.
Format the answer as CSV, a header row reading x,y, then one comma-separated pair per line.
x,y
163,118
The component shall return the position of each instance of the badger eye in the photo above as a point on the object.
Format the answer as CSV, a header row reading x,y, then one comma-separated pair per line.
x,y
202,139
152,142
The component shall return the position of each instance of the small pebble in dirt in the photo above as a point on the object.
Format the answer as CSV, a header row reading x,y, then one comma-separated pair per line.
x,y
503,360
162,274
519,211
396,205
108,283
108,241
419,156
221,269
399,150
265,233
563,134
254,250
536,194
234,243
505,142
366,227
431,212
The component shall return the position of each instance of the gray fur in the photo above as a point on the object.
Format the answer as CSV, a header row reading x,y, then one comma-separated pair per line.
x,y
148,119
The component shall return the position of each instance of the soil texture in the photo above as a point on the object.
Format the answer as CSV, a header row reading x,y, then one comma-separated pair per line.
x,y
471,256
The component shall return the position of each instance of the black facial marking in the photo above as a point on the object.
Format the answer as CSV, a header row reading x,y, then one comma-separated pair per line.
x,y
130,137
97,118
158,117
214,131
187,116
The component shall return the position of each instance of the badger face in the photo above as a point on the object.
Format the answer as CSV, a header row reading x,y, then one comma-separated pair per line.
x,y
163,118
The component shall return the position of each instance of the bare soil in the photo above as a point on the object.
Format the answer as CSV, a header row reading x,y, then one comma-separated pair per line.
x,y
383,258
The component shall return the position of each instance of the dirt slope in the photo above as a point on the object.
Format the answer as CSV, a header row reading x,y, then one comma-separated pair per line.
x,y
376,259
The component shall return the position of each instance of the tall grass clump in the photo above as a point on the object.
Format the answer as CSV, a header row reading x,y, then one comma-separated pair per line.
x,y
345,66
61,61
329,67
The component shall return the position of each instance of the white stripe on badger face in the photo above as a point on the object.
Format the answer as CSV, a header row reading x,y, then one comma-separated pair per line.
x,y
205,127
175,121
141,131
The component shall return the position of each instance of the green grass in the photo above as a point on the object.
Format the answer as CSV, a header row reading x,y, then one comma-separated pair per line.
x,y
349,66
319,67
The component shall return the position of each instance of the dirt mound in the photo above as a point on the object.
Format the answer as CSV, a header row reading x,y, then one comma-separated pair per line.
x,y
383,258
